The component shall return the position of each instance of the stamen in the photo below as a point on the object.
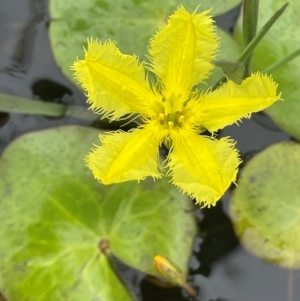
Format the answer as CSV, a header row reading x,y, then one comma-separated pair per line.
x,y
181,119
161,116
171,124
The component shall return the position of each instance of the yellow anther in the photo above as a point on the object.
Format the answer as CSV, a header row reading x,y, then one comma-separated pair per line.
x,y
171,124
161,116
181,119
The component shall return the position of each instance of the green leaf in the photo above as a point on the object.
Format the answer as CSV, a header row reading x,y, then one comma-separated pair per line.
x,y
229,51
218,6
232,70
54,215
265,207
281,41
129,22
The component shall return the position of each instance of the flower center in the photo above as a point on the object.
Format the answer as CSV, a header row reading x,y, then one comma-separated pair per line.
x,y
172,120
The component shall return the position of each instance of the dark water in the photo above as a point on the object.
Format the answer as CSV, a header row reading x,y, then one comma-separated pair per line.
x,y
220,267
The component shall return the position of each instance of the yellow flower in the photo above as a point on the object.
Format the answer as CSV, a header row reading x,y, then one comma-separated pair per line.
x,y
172,109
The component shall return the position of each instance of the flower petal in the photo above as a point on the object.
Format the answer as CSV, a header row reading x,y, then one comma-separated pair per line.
x,y
182,52
231,102
116,84
203,167
125,156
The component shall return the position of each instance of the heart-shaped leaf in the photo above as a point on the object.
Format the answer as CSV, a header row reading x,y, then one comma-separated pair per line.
x,y
54,215
129,22
265,207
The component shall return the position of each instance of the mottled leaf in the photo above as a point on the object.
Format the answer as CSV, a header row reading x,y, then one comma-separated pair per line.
x,y
129,22
265,207
54,214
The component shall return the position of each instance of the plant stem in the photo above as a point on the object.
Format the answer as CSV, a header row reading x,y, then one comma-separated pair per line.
x,y
10,103
16,104
250,17
255,41
189,289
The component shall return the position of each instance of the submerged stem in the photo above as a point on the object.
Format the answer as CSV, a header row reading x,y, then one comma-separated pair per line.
x,y
189,289
16,104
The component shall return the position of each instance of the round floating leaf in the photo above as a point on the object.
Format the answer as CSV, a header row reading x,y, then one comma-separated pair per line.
x,y
54,215
265,207
282,40
129,22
